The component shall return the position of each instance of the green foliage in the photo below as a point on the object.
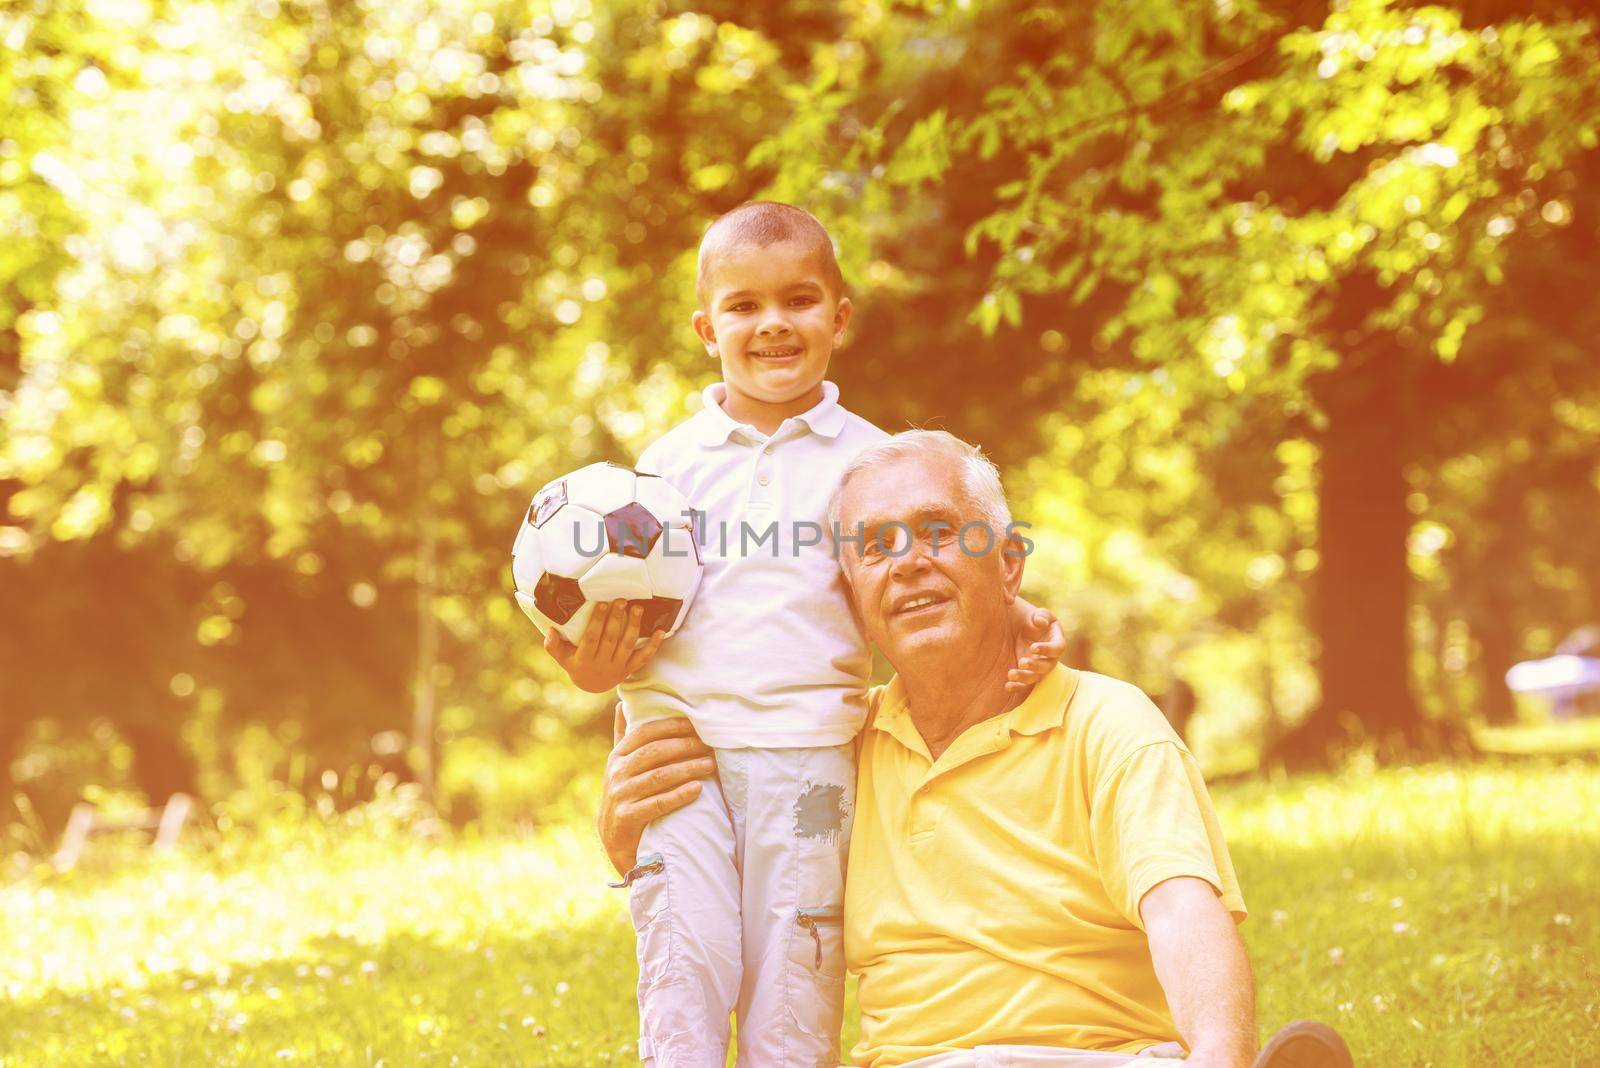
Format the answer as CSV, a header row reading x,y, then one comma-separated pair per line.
x,y
498,788
1208,235
365,278
299,300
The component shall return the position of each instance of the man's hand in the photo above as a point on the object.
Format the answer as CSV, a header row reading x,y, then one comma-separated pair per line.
x,y
652,770
1040,644
1201,965
606,655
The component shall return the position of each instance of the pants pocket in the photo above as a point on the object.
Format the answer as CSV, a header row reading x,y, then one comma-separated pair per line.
x,y
816,987
650,905
825,927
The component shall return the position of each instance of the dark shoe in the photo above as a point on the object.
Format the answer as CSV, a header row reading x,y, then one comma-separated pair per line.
x,y
1305,1044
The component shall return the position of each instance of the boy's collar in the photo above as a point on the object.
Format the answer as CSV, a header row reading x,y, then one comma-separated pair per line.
x,y
826,418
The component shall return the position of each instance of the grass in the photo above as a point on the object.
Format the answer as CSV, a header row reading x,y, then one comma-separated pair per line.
x,y
1549,738
1438,916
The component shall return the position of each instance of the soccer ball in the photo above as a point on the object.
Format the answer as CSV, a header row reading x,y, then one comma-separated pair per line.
x,y
601,533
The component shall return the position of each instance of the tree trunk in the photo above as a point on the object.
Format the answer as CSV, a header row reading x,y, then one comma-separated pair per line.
x,y
10,747
1500,578
424,727
161,765
1497,651
1363,581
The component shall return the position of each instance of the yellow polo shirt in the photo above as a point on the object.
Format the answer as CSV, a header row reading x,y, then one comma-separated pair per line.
x,y
994,893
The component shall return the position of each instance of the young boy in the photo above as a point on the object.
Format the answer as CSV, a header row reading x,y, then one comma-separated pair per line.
x,y
736,899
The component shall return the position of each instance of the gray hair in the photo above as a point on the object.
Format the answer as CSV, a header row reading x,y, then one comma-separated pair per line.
x,y
979,476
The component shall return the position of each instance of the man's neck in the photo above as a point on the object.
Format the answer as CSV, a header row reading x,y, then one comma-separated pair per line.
x,y
765,416
946,695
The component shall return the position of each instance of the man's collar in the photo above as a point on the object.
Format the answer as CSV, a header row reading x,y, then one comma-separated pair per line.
x,y
1046,706
893,718
1043,709
826,419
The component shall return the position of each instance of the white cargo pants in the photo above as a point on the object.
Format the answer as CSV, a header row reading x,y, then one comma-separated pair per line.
x,y
737,902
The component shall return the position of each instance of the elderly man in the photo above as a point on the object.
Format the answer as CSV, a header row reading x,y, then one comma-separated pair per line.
x,y
1035,879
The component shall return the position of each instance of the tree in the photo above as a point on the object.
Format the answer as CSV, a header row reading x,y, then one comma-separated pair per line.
x,y
56,60
1284,220
359,284
339,284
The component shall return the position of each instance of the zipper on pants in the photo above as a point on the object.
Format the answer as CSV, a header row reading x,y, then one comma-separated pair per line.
x,y
811,919
647,866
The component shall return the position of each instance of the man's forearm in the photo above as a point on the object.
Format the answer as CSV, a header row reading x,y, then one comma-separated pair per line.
x,y
653,769
1203,971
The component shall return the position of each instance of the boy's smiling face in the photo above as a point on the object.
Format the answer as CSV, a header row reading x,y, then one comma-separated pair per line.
x,y
773,320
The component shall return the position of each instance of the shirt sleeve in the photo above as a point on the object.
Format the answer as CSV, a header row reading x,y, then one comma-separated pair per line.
x,y
1151,820
649,461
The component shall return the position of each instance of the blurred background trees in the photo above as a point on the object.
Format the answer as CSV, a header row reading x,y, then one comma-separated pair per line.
x,y
1275,315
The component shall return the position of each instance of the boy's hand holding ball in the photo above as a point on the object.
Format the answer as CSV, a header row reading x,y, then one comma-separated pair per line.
x,y
606,656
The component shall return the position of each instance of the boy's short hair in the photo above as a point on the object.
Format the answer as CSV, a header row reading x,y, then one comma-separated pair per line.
x,y
762,223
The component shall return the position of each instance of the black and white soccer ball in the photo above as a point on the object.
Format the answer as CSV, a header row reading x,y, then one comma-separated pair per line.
x,y
601,533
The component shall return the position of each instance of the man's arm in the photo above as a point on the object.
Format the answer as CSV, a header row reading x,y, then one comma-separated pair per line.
x,y
653,769
1203,970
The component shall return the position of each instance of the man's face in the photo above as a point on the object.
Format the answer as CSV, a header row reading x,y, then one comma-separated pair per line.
x,y
924,592
772,320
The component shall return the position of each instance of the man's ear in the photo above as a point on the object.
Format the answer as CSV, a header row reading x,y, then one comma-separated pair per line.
x,y
841,319
705,332
849,586
1013,554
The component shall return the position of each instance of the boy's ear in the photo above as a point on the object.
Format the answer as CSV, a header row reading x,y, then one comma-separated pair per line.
x,y
704,331
841,319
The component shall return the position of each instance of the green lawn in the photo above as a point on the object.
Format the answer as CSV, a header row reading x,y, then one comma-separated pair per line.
x,y
1438,916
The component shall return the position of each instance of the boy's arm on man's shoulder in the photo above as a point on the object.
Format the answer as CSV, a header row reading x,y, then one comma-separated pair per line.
x,y
1040,644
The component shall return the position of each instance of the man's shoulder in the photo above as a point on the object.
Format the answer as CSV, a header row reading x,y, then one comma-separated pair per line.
x,y
1110,689
878,699
1111,719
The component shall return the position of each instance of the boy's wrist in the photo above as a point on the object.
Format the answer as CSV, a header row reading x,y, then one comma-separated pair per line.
x,y
597,683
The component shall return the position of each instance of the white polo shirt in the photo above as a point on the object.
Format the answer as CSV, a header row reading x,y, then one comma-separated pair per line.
x,y
770,656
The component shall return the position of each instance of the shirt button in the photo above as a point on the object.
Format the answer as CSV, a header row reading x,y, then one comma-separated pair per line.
x,y
763,480
767,450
